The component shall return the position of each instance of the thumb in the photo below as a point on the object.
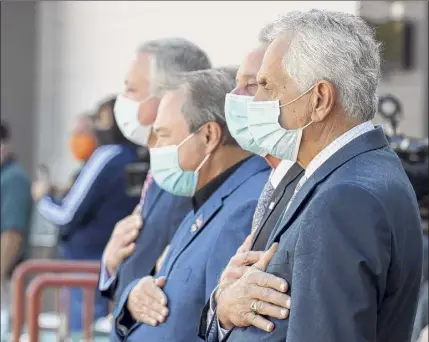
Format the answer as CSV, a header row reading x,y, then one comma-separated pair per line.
x,y
160,282
265,260
137,209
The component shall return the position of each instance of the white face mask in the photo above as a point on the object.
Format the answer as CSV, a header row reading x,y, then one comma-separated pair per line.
x,y
127,117
263,124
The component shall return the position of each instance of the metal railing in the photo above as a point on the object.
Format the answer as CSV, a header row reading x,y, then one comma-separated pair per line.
x,y
49,280
41,266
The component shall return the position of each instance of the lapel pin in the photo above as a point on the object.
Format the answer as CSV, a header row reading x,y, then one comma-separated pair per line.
x,y
199,222
194,228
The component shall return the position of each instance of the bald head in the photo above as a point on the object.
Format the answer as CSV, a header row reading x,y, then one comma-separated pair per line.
x,y
83,125
246,83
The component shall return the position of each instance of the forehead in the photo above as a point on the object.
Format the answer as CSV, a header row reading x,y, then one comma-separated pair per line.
x,y
139,69
170,111
82,122
273,58
251,64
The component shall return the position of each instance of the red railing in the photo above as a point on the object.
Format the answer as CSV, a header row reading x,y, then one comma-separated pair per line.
x,y
40,266
34,293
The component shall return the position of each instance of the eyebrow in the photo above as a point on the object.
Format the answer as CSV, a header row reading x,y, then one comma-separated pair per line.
x,y
247,76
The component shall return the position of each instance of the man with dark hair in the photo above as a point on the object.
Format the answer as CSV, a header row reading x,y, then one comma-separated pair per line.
x,y
97,200
15,215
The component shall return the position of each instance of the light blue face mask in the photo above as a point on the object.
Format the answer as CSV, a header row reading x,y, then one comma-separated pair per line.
x,y
264,126
237,121
169,175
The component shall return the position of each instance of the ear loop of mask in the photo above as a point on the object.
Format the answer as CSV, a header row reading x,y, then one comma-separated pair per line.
x,y
296,99
189,137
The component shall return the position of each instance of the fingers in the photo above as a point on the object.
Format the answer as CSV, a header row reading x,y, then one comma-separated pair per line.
x,y
259,322
263,263
264,279
246,245
160,282
233,273
156,293
149,316
129,237
269,296
126,251
137,209
159,311
267,309
246,258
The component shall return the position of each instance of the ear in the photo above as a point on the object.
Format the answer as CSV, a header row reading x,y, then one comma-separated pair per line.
x,y
323,100
212,133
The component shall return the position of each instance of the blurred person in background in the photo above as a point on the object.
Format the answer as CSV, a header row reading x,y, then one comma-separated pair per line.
x,y
140,239
195,156
16,208
97,200
82,143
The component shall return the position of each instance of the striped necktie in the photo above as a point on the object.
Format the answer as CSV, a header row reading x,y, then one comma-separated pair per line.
x,y
146,185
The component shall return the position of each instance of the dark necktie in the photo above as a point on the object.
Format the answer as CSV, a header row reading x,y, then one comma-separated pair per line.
x,y
280,199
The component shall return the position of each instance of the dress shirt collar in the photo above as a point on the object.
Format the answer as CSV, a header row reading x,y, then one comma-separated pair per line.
x,y
336,145
279,172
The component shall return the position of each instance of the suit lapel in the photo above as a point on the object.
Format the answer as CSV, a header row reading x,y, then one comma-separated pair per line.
x,y
206,213
152,198
369,141
290,176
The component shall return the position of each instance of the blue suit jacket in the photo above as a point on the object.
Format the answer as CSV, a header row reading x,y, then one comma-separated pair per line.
x,y
201,248
350,246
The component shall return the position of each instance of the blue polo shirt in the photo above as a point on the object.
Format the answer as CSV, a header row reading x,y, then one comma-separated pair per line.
x,y
16,201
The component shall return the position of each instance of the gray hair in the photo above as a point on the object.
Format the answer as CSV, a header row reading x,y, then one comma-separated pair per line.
x,y
230,71
205,99
336,47
170,56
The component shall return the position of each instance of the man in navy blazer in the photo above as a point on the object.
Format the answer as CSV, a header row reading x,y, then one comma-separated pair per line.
x,y
197,157
349,242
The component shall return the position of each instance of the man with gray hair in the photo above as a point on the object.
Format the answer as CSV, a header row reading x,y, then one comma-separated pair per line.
x,y
132,252
195,156
349,242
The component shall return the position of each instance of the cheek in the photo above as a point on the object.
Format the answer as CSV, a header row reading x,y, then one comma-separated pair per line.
x,y
190,156
293,117
147,113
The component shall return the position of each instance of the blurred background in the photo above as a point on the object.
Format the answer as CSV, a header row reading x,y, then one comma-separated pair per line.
x,y
60,58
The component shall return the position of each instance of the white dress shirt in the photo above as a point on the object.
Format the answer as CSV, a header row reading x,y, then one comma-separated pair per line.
x,y
311,168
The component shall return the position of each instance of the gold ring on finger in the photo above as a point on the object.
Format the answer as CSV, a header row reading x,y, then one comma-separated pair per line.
x,y
254,308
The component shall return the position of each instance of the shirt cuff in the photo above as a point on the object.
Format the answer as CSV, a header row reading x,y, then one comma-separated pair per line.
x,y
105,279
221,332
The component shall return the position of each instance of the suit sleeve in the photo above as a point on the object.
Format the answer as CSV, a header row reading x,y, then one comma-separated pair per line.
x,y
107,283
343,244
230,238
87,190
123,321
